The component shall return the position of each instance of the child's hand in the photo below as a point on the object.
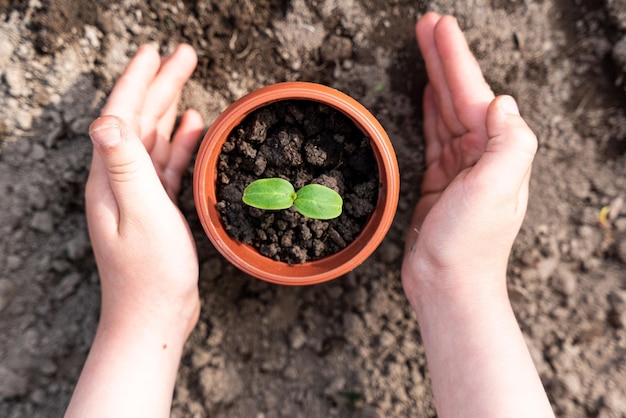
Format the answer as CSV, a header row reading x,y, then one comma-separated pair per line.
x,y
145,252
478,155
144,249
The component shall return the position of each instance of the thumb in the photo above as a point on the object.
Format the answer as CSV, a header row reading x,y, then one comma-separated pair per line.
x,y
127,165
510,150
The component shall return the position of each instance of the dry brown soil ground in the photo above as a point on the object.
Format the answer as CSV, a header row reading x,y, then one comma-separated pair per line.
x,y
350,347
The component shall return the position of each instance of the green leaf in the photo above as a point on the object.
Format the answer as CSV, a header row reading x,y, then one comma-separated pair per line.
x,y
351,396
270,194
318,202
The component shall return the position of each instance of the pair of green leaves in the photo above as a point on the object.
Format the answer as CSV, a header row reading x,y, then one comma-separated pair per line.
x,y
313,200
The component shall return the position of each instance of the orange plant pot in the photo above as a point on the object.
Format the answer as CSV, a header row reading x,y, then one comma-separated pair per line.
x,y
246,257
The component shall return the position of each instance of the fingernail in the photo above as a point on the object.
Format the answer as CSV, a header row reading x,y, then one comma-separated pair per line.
x,y
508,105
107,135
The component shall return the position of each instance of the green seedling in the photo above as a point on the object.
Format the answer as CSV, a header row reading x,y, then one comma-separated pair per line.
x,y
352,396
313,200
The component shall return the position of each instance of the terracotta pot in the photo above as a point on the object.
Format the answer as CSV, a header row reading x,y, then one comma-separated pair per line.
x,y
245,257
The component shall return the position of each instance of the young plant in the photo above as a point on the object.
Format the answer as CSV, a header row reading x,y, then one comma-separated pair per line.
x,y
313,200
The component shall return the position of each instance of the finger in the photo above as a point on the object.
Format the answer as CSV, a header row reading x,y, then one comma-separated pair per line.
x,y
129,170
431,136
127,99
425,33
464,80
183,146
165,124
100,204
159,144
164,90
507,161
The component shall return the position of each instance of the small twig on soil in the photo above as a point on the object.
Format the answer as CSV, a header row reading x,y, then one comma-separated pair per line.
x,y
244,52
584,102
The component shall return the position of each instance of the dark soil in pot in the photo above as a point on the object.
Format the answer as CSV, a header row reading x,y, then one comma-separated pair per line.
x,y
303,142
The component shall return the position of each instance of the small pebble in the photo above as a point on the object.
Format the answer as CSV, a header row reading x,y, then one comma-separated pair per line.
x,y
92,36
14,262
38,152
24,119
42,222
12,384
546,267
220,386
200,358
38,396
14,77
77,247
297,338
67,285
80,126
564,281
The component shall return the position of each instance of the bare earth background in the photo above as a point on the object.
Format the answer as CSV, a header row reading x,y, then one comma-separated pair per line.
x,y
351,347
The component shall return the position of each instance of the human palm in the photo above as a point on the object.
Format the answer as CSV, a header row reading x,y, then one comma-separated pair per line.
x,y
455,108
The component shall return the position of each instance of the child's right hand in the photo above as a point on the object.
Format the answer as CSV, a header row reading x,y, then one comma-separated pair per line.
x,y
479,153
143,246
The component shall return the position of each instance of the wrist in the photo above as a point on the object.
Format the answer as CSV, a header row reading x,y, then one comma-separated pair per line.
x,y
473,343
131,369
170,322
432,289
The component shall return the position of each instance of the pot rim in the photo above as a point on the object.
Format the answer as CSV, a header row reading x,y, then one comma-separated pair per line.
x,y
246,257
